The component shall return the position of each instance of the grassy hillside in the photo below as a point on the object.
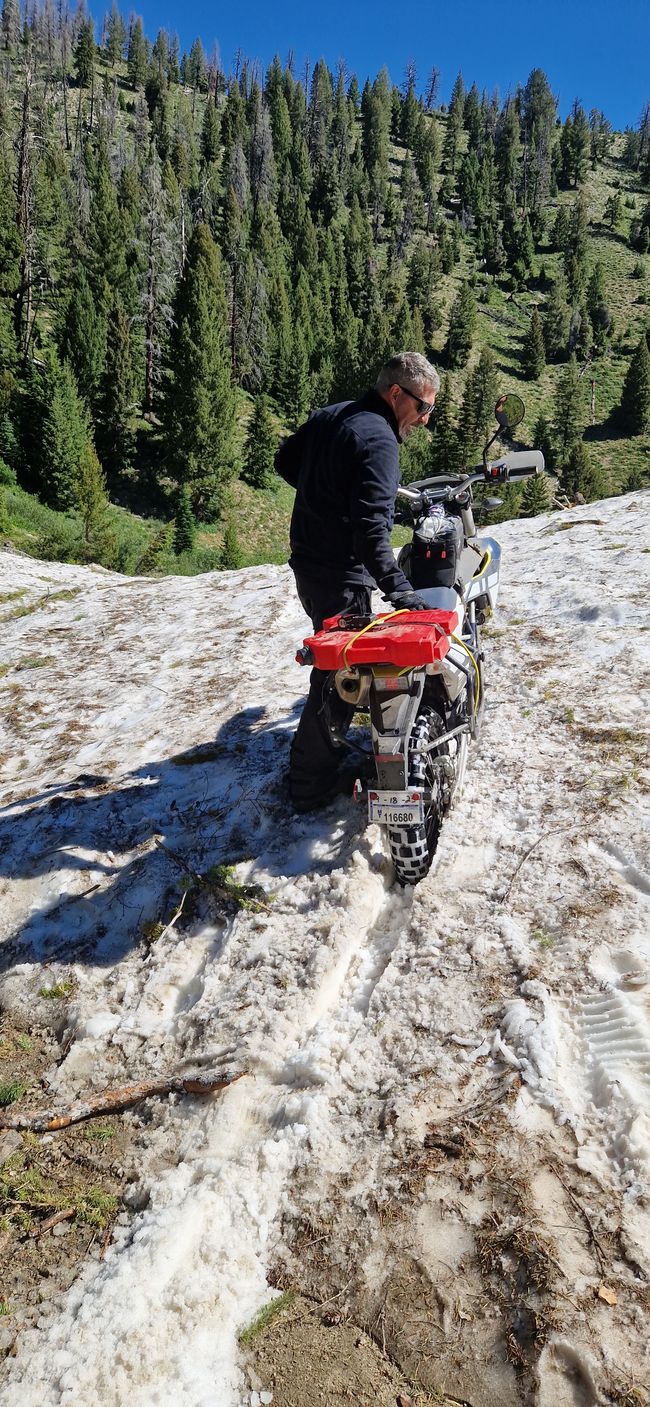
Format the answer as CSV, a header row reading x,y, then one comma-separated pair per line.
x,y
301,299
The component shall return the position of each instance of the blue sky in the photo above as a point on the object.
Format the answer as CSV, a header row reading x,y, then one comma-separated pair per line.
x,y
596,51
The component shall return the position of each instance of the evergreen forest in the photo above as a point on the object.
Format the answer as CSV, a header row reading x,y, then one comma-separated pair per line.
x,y
191,259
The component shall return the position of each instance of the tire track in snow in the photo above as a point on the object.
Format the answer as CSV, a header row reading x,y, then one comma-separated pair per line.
x,y
177,1287
342,1009
632,875
617,1043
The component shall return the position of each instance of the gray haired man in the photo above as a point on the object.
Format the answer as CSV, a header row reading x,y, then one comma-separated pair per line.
x,y
344,465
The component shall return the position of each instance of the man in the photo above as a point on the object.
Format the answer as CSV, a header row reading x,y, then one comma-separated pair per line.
x,y
344,464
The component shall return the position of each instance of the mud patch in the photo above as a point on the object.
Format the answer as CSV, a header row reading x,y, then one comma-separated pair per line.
x,y
308,1356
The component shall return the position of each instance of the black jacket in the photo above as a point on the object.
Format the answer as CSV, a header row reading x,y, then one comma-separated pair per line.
x,y
344,464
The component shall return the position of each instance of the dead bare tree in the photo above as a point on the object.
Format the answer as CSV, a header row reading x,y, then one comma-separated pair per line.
x,y
24,203
160,272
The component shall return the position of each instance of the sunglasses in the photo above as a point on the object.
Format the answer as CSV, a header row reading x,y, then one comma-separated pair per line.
x,y
424,407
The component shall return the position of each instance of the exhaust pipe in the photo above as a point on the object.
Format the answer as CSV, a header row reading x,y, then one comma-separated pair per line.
x,y
353,685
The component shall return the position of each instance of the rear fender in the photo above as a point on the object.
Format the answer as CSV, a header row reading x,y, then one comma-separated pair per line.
x,y
394,704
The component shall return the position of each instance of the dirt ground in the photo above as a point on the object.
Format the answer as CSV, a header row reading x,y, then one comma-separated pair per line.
x,y
490,1286
307,1357
472,1299
60,1193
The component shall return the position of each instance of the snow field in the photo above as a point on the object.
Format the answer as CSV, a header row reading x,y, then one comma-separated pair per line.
x,y
359,1011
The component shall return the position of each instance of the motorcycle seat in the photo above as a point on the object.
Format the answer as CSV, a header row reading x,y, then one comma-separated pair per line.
x,y
439,598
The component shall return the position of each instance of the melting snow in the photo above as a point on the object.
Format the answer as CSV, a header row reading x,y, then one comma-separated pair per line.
x,y
146,726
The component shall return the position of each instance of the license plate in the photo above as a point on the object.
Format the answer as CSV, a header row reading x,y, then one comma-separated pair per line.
x,y
396,808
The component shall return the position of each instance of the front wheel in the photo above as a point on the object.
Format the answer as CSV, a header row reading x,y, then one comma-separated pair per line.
x,y
412,848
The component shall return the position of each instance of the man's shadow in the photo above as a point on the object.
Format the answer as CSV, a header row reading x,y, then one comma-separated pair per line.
x,y
106,858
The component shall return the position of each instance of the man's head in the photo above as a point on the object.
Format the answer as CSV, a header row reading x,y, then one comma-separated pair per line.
x,y
409,384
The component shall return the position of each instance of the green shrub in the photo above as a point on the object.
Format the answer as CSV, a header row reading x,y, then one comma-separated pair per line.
x,y
11,1092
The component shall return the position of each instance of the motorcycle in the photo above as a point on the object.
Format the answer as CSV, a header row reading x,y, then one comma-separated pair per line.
x,y
419,675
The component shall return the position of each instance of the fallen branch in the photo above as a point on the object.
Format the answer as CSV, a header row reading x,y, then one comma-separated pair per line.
x,y
115,1100
106,1240
556,830
54,1221
601,1254
222,891
168,926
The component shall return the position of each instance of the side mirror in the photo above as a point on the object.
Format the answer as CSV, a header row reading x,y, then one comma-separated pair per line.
x,y
509,411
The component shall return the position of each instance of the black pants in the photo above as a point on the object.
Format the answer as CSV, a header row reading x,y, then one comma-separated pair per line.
x,y
316,752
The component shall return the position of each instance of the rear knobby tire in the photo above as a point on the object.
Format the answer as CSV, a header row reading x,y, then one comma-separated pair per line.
x,y
412,848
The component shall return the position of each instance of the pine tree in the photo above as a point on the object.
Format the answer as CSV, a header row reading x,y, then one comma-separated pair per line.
x,y
508,145
446,454
635,480
534,354
556,321
84,54
106,236
184,525
197,69
115,36
477,409
199,403
8,437
462,325
581,335
65,433
537,109
542,440
91,501
433,90
472,117
613,212
575,253
231,554
10,264
535,497
173,66
157,547
210,133
298,386
454,125
260,447
574,145
601,136
115,402
82,337
415,457
10,23
136,59
581,477
570,415
596,301
634,411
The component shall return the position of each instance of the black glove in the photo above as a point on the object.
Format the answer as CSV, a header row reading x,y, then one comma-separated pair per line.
x,y
408,601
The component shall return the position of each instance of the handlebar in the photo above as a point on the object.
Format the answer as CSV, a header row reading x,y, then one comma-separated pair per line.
x,y
519,464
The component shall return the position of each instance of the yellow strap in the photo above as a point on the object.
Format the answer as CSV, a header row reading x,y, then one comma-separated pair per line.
x,y
484,562
379,620
463,646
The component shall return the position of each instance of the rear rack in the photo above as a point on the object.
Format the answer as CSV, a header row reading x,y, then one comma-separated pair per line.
x,y
405,639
